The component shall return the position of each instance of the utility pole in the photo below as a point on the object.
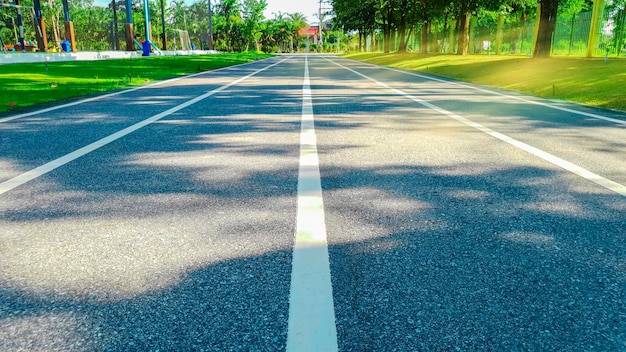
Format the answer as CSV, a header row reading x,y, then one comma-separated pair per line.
x,y
319,14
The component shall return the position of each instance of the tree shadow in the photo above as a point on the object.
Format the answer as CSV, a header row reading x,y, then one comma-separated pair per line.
x,y
434,261
196,255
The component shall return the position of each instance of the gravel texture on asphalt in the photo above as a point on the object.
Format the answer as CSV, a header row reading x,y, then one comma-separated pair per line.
x,y
443,238
175,237
179,236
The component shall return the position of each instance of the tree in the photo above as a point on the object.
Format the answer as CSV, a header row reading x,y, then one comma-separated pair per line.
x,y
298,21
252,17
356,15
228,27
407,13
178,14
547,23
465,9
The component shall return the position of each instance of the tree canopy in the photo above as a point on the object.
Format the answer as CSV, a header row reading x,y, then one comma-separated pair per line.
x,y
405,16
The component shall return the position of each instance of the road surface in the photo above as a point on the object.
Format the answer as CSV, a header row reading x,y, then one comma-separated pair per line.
x,y
313,203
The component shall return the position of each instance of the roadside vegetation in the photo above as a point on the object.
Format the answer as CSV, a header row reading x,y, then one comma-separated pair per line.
x,y
237,26
587,81
540,28
24,85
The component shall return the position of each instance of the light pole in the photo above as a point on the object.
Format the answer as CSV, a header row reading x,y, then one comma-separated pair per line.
x,y
319,16
146,12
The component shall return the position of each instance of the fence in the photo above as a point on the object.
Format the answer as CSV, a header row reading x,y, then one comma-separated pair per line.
x,y
516,35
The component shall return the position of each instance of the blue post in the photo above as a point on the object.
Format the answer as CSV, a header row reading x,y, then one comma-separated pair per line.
x,y
145,48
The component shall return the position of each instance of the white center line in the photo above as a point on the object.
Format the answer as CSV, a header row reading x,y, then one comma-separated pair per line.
x,y
311,311
109,95
44,169
573,168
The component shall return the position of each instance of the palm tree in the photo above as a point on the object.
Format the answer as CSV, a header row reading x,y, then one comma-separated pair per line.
x,y
298,21
280,16
178,11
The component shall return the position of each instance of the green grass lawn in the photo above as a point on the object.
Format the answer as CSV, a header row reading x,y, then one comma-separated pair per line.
x,y
586,81
29,84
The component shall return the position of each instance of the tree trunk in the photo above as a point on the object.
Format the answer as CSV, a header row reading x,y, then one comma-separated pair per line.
x,y
464,21
360,41
451,29
499,34
402,30
424,44
387,30
387,39
403,39
435,43
547,23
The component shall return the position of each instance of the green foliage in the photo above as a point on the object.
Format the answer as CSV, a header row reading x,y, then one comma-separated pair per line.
x,y
238,25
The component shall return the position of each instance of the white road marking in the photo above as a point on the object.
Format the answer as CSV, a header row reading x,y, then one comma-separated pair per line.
x,y
311,311
99,97
541,103
573,168
44,169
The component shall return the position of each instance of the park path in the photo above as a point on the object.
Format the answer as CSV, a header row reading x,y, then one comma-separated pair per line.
x,y
313,203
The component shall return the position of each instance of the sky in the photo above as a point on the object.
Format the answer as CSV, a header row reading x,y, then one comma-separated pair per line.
x,y
306,7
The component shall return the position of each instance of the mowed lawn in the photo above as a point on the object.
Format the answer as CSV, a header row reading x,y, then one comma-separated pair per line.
x,y
587,81
29,84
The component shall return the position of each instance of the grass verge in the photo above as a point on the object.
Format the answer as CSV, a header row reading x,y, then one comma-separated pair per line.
x,y
29,84
586,81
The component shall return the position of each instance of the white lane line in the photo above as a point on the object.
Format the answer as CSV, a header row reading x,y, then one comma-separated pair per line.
x,y
99,97
564,164
311,311
44,169
540,103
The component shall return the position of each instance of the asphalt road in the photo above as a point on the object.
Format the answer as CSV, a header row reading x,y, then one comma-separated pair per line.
x,y
187,216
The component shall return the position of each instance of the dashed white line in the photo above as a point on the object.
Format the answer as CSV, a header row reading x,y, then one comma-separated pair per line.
x,y
540,103
311,312
44,169
573,168
109,95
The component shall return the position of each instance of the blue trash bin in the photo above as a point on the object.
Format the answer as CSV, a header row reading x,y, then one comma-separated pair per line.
x,y
193,47
66,46
146,48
